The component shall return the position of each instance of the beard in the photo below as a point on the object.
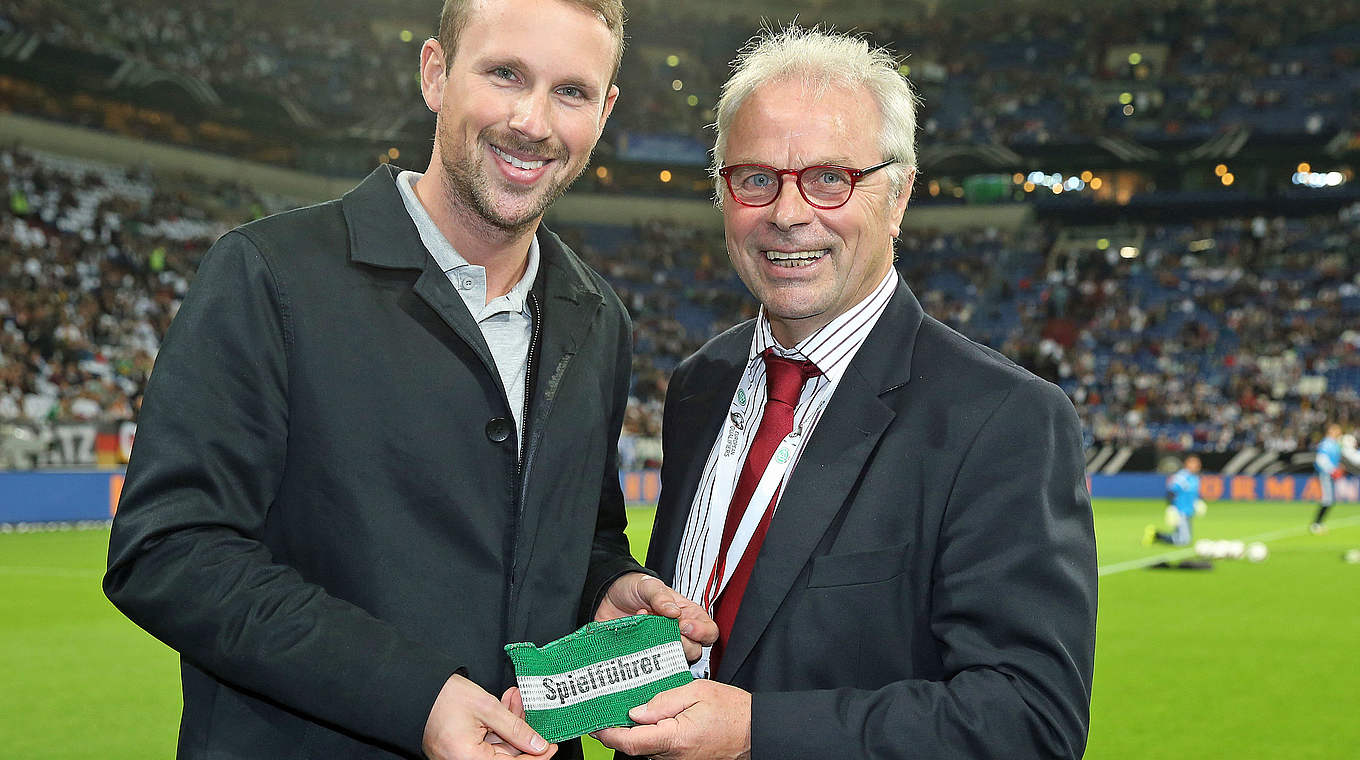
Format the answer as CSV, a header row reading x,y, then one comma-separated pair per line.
x,y
467,185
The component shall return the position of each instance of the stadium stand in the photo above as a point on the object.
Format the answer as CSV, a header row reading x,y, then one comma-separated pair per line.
x,y
93,263
1196,287
1223,334
328,88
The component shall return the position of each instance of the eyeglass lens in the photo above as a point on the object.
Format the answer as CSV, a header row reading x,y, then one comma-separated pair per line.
x,y
825,185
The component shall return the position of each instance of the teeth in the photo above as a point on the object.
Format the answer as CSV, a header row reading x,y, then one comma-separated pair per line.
x,y
515,162
794,258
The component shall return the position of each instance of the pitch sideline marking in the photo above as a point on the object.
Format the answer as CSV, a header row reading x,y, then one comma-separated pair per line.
x,y
1118,567
1178,554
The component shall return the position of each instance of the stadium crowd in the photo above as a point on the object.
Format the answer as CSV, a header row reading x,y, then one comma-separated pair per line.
x,y
93,263
1209,349
1219,334
1000,74
329,63
1009,73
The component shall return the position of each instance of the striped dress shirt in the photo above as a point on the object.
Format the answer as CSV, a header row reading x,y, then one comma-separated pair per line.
x,y
831,348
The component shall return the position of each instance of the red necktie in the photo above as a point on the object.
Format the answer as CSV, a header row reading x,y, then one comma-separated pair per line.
x,y
784,379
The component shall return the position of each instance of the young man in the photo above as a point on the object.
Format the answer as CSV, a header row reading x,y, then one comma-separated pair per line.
x,y
889,522
1182,499
379,442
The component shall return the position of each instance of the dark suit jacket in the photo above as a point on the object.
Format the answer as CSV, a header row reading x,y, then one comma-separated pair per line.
x,y
325,512
927,588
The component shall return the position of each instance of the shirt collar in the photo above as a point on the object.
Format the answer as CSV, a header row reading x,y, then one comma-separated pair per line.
x,y
514,300
832,346
448,258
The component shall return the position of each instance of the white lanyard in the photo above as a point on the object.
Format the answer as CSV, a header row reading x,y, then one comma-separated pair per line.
x,y
728,470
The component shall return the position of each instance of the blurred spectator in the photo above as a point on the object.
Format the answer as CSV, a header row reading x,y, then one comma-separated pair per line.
x,y
93,264
1222,334
1008,73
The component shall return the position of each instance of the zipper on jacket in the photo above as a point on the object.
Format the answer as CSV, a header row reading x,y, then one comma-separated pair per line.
x,y
537,333
522,462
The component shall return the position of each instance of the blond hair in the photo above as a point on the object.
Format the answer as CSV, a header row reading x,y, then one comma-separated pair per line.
x,y
456,13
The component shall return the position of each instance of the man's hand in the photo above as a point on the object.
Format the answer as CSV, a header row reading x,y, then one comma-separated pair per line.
x,y
702,720
467,723
640,594
513,702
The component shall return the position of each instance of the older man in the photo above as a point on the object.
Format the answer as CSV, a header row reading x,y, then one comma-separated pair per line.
x,y
380,439
889,523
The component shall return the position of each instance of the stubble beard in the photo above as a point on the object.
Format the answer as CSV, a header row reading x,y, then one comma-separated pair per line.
x,y
467,186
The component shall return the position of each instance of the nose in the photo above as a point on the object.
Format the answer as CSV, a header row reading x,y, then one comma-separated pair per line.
x,y
530,116
789,208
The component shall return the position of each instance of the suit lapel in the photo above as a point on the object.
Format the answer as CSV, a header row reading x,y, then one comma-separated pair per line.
x,y
826,473
700,409
825,476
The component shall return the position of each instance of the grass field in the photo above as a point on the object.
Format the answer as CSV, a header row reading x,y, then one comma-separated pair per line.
x,y
1244,661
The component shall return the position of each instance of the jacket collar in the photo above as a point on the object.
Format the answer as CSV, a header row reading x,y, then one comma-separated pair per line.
x,y
382,234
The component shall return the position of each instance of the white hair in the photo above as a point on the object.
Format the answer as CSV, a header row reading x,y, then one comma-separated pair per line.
x,y
821,60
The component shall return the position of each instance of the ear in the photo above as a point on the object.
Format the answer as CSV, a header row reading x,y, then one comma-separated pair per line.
x,y
899,208
609,101
432,74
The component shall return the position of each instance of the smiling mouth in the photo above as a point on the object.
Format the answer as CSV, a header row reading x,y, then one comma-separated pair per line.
x,y
516,162
792,259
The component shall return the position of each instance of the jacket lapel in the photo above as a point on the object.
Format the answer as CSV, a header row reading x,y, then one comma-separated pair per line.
x,y
433,287
826,474
568,304
381,234
704,401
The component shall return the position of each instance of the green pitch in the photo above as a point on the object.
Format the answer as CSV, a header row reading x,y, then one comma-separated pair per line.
x,y
1249,661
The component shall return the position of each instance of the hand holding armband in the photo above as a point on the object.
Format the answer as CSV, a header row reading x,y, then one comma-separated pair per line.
x,y
591,678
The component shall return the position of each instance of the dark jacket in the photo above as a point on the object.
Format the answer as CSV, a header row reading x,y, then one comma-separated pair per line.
x,y
927,588
325,512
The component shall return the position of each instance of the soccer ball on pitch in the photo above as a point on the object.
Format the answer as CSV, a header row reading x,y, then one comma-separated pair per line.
x,y
1257,551
1204,548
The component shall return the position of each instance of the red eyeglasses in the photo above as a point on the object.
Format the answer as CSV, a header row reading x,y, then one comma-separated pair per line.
x,y
823,186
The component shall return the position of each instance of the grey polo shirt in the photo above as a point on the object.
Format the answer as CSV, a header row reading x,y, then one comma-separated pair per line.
x,y
505,322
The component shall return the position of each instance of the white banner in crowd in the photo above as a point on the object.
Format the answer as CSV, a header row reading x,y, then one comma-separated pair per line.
x,y
26,447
